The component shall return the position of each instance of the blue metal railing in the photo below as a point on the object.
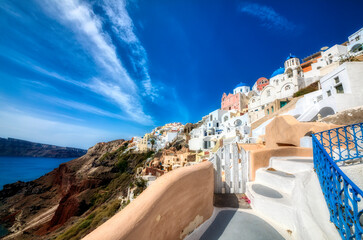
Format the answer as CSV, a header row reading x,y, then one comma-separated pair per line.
x,y
342,195
343,143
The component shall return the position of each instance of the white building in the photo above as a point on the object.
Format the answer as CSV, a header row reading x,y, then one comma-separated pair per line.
x,y
242,88
343,87
355,42
284,82
204,137
219,124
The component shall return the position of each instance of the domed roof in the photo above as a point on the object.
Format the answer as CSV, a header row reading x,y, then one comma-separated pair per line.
x,y
281,70
291,56
241,84
261,78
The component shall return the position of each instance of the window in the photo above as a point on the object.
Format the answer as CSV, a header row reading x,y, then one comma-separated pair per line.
x,y
268,112
329,93
272,109
357,38
336,80
287,87
217,124
268,93
339,88
238,122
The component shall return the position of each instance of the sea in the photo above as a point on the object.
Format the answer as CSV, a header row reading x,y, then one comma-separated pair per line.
x,y
25,169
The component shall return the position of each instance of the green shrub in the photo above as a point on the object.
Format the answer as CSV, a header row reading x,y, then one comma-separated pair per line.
x,y
311,88
97,217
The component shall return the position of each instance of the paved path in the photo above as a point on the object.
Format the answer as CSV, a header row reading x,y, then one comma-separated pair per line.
x,y
233,224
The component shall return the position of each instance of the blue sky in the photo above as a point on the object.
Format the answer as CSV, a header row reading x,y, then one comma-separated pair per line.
x,y
75,72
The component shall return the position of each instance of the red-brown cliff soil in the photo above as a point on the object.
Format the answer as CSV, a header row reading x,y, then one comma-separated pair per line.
x,y
48,206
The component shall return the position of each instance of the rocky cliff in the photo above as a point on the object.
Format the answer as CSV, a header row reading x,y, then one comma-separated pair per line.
x,y
20,148
75,198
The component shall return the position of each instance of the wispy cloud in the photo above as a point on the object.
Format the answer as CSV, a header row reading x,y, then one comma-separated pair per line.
x,y
81,107
267,16
116,83
134,109
20,124
123,26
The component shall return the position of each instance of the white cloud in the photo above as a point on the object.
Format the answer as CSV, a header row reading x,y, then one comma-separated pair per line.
x,y
116,83
82,107
22,125
268,16
126,101
124,28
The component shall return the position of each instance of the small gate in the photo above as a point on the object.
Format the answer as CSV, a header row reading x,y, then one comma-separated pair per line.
x,y
231,169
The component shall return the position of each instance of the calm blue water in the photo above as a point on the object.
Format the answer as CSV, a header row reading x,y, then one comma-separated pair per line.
x,y
3,231
25,169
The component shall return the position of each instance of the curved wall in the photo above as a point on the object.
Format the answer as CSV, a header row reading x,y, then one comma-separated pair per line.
x,y
172,207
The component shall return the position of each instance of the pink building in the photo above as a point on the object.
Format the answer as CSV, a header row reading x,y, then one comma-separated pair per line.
x,y
232,101
237,101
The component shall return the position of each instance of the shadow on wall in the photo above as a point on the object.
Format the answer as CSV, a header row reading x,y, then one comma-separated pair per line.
x,y
324,112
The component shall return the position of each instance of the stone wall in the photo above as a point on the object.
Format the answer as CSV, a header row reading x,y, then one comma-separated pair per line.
x,y
172,207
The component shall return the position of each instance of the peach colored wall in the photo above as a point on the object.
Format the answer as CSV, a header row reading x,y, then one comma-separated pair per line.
x,y
232,101
261,158
173,206
287,130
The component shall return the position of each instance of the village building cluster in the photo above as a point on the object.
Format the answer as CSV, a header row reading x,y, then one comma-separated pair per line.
x,y
336,72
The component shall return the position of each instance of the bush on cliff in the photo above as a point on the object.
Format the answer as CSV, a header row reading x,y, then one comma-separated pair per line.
x,y
311,88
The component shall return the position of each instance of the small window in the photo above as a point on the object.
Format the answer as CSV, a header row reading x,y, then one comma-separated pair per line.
x,y
339,88
287,87
329,93
268,93
357,38
318,67
217,124
268,111
272,109
336,80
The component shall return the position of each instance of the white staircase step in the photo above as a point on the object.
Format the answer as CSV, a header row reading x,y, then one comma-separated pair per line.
x,y
272,204
276,179
292,164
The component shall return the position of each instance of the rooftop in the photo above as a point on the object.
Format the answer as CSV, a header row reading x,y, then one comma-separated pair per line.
x,y
241,84
279,71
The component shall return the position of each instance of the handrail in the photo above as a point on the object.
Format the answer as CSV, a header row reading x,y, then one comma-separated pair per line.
x,y
341,194
343,143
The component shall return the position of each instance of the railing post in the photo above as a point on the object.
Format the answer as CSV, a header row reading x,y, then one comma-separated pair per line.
x,y
235,167
341,194
227,166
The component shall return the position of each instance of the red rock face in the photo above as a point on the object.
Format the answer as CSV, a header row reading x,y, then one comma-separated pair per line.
x,y
66,186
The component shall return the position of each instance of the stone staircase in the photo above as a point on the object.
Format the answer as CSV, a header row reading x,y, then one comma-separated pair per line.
x,y
288,193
